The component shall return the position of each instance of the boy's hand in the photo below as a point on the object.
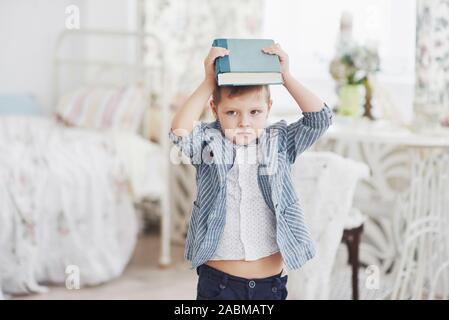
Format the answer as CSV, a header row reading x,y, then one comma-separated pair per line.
x,y
283,58
209,68
307,101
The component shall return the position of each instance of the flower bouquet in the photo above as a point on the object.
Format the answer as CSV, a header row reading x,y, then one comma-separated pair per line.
x,y
351,69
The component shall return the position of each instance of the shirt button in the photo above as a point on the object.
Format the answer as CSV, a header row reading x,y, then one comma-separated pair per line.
x,y
222,286
274,289
252,284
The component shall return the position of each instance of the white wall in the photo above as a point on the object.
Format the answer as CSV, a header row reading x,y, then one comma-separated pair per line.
x,y
111,15
29,29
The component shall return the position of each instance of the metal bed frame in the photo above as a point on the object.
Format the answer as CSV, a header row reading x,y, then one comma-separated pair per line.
x,y
140,74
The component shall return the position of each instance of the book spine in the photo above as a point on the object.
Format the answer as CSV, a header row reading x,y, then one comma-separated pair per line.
x,y
222,64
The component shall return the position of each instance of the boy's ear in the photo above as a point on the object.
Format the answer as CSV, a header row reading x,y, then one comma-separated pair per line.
x,y
214,109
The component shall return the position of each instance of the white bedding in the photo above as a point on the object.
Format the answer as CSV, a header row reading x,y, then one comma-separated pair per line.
x,y
66,198
142,161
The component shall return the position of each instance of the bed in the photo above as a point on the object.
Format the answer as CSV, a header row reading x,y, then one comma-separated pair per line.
x,y
70,179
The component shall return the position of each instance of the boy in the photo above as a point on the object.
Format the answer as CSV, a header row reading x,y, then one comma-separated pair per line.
x,y
246,221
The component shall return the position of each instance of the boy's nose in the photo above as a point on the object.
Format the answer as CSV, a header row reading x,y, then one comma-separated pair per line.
x,y
244,121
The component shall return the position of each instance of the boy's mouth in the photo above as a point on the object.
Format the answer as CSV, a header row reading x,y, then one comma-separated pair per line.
x,y
247,132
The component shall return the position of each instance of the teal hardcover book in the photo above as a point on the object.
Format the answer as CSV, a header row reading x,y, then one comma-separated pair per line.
x,y
246,64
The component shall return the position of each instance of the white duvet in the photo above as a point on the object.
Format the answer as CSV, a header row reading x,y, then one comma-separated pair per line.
x,y
66,202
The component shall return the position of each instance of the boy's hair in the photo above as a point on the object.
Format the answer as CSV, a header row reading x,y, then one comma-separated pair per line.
x,y
235,91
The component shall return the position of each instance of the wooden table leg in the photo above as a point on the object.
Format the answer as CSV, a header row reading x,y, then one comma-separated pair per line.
x,y
352,239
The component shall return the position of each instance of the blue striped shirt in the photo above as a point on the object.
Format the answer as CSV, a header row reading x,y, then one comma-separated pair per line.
x,y
213,156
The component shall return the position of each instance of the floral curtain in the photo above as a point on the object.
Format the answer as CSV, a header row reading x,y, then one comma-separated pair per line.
x,y
432,62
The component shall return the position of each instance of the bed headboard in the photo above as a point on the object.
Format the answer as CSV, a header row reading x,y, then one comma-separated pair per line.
x,y
102,57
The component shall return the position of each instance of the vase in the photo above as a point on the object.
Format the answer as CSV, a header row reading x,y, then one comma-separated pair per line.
x,y
349,100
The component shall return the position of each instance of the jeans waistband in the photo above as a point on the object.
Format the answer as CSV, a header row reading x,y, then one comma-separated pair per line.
x,y
219,274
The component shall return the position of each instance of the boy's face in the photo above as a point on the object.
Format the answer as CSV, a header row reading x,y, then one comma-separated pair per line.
x,y
242,117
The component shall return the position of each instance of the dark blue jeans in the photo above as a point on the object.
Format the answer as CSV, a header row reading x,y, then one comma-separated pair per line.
x,y
216,285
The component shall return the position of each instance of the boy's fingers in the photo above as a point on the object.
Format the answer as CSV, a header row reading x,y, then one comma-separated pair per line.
x,y
219,52
220,49
275,49
272,48
269,51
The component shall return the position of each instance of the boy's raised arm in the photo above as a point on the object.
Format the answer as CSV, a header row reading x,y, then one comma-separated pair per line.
x,y
306,99
317,116
191,111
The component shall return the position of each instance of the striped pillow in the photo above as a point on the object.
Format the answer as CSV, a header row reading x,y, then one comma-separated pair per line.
x,y
104,108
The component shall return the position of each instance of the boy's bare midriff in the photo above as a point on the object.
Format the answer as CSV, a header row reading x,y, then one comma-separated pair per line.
x,y
257,269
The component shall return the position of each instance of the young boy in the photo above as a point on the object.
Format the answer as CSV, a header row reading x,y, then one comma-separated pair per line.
x,y
246,221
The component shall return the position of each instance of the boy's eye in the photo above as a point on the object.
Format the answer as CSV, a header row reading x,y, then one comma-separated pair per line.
x,y
255,112
231,113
